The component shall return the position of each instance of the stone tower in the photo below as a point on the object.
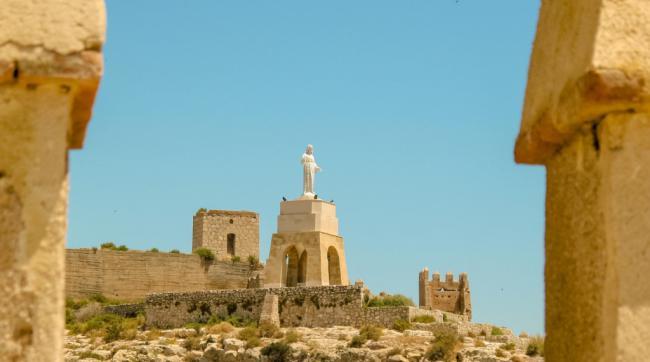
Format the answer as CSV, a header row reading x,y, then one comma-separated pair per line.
x,y
227,233
306,249
448,295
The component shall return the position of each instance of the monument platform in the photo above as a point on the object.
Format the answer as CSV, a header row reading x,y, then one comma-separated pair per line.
x,y
306,250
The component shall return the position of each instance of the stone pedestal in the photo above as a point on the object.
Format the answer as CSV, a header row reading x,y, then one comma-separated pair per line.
x,y
307,249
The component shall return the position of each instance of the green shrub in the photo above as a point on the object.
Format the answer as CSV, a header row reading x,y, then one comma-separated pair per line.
x,y
195,326
253,261
253,342
401,325
121,248
192,344
535,346
235,259
424,319
113,330
268,330
154,250
444,317
479,343
358,341
371,332
277,351
443,347
247,333
508,346
109,245
292,336
204,253
175,251
496,331
387,300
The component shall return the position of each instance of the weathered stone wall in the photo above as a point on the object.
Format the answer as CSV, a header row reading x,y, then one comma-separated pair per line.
x,y
211,228
323,306
131,275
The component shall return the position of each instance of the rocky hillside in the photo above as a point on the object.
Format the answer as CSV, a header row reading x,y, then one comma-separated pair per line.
x,y
223,342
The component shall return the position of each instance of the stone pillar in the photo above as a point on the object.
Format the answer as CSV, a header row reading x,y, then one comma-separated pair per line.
x,y
50,66
586,118
270,310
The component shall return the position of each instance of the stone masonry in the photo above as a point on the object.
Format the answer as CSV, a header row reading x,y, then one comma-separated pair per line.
x,y
323,306
448,295
227,233
131,275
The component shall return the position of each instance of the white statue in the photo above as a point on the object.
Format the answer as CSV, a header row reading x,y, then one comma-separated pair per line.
x,y
309,169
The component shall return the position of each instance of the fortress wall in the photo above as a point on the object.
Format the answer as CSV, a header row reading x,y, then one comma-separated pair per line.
x,y
318,306
131,275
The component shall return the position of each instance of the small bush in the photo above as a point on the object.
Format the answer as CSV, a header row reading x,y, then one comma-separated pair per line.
x,y
204,253
109,245
401,325
358,341
253,342
195,326
235,259
443,347
192,343
268,330
424,319
387,300
154,250
253,261
444,317
535,346
371,332
129,334
277,351
496,331
479,343
247,333
121,248
113,331
175,251
292,336
500,353
220,328
508,346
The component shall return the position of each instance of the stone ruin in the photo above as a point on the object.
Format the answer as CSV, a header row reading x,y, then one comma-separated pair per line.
x,y
448,295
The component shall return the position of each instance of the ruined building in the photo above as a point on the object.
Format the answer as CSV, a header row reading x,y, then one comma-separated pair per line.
x,y
449,295
227,233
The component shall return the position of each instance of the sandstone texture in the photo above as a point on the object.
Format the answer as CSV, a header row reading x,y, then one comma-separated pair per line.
x,y
132,275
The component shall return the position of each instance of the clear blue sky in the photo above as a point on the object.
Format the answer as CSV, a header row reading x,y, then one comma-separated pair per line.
x,y
412,106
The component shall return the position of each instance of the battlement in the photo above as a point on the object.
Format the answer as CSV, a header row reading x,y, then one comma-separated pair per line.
x,y
449,295
242,213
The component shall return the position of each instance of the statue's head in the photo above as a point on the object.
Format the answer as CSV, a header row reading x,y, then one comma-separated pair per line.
x,y
309,150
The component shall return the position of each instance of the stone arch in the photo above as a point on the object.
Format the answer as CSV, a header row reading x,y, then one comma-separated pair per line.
x,y
302,268
333,266
290,267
